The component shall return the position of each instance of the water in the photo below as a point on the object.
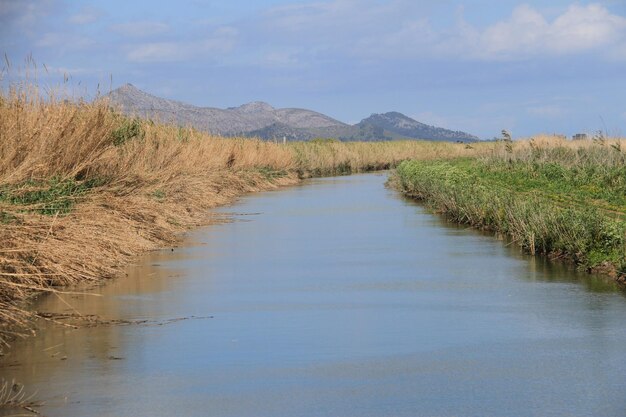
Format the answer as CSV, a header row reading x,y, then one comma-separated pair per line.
x,y
337,298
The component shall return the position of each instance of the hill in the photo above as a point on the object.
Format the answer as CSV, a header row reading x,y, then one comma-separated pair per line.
x,y
397,125
259,119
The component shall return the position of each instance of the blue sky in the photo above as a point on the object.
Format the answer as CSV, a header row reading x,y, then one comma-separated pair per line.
x,y
479,66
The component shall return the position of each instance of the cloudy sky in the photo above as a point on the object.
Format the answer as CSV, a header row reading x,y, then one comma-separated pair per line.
x,y
474,65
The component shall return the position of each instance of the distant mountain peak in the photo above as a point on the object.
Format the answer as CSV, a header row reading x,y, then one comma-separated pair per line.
x,y
127,87
254,107
128,91
394,117
401,125
392,114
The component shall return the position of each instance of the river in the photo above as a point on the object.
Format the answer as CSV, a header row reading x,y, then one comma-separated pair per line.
x,y
334,298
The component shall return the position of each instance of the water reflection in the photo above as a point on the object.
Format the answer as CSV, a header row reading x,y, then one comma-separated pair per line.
x,y
335,298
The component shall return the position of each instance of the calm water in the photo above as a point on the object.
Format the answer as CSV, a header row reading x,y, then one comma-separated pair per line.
x,y
337,298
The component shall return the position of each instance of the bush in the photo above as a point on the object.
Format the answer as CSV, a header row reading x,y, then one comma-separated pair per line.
x,y
129,129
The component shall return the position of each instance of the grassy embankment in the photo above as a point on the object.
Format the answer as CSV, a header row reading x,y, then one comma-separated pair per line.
x,y
564,199
83,189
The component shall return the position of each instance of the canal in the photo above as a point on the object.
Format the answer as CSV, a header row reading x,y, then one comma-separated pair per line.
x,y
334,298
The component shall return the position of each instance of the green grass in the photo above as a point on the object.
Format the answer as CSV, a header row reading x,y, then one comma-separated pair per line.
x,y
547,207
584,186
130,129
7,218
270,173
159,195
49,197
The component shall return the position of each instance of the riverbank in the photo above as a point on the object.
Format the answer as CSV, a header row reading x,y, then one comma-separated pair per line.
x,y
562,199
83,189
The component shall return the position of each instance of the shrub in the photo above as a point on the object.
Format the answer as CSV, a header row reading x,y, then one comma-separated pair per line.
x,y
129,129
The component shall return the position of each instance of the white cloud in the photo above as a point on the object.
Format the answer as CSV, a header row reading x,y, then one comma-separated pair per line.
x,y
582,28
140,29
402,29
8,7
315,17
158,52
25,16
64,41
279,59
528,33
69,71
221,41
522,32
85,16
410,38
336,23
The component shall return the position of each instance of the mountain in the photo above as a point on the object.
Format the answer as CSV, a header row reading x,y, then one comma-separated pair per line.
x,y
259,119
228,122
398,125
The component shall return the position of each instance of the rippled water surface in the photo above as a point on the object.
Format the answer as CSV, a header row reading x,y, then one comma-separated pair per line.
x,y
336,298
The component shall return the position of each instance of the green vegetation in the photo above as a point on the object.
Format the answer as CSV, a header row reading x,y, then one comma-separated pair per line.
x,y
159,195
127,130
7,218
324,140
270,173
50,197
558,200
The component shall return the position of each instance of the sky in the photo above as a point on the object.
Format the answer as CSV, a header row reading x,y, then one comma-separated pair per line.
x,y
478,66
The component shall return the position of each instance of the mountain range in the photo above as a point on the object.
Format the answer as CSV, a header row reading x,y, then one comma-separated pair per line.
x,y
259,119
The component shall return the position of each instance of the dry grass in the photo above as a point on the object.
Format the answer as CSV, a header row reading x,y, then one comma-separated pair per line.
x,y
600,150
333,157
13,397
83,189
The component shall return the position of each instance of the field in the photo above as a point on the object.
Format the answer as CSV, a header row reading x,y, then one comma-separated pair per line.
x,y
555,197
84,189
